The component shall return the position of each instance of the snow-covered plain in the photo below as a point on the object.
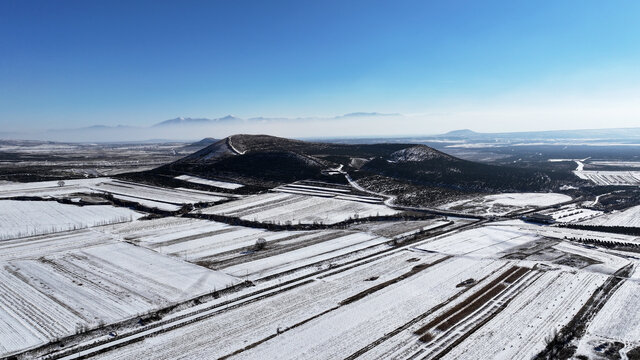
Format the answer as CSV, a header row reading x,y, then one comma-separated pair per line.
x,y
503,204
335,334
49,188
203,241
318,294
29,218
61,294
326,191
283,208
353,326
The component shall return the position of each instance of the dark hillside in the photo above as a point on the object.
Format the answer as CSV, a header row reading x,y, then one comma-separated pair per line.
x,y
415,173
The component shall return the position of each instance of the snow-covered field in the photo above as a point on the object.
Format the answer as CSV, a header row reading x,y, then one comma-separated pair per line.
x,y
610,177
201,240
333,244
629,217
399,229
38,246
149,203
146,195
49,188
503,204
342,329
353,326
495,289
215,183
629,164
193,239
618,319
29,218
521,330
486,241
283,208
155,194
341,193
60,294
604,262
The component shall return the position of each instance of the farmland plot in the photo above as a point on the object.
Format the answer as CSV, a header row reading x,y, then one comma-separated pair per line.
x,y
333,244
230,248
57,295
49,188
29,218
38,246
503,204
195,240
521,329
602,261
284,208
357,322
487,241
628,164
146,193
151,204
432,332
215,183
578,234
233,330
610,177
629,217
616,321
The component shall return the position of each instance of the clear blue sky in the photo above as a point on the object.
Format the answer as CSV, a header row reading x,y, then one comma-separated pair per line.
x,y
483,63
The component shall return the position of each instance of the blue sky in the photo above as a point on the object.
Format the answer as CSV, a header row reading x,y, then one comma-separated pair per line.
x,y
489,65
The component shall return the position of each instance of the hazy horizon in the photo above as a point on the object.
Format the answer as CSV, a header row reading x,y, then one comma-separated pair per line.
x,y
361,126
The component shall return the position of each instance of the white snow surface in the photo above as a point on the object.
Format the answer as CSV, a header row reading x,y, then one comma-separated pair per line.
x,y
215,183
282,208
629,217
483,242
29,218
610,177
57,295
502,204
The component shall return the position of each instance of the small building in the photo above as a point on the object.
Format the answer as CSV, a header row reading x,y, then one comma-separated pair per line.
x,y
539,218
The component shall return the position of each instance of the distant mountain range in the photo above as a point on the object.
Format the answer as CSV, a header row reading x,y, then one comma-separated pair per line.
x,y
196,121
187,121
190,128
